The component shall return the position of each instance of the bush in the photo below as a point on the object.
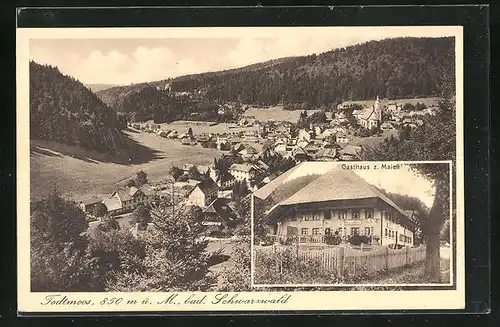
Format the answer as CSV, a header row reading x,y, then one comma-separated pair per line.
x,y
359,239
333,240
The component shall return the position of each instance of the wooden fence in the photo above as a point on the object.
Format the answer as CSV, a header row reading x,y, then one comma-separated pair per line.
x,y
343,261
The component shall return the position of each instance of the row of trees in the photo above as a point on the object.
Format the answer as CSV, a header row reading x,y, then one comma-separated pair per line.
x,y
392,68
67,255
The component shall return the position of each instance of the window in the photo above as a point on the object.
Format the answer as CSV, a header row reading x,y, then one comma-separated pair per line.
x,y
367,231
342,214
328,214
340,230
386,233
316,216
354,231
304,231
369,213
328,231
355,214
315,231
306,217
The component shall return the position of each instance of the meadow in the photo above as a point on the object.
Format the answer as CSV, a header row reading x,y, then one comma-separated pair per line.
x,y
276,113
429,102
80,174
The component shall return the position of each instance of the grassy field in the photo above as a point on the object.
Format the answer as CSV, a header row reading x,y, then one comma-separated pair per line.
x,y
427,101
372,141
275,113
80,174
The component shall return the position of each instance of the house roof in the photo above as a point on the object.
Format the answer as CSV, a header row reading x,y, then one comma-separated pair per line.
x,y
348,186
146,189
298,150
241,167
123,194
133,190
92,200
327,153
208,185
368,114
221,207
350,150
112,203
250,149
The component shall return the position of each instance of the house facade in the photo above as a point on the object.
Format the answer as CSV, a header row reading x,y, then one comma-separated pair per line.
x,y
203,193
126,200
242,172
381,223
353,207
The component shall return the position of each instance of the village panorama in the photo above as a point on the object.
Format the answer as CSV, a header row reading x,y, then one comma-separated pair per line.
x,y
149,186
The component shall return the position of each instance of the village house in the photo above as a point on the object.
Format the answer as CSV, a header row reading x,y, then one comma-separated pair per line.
x,y
386,126
342,138
173,135
203,193
349,152
352,207
242,172
326,154
220,212
224,181
88,205
128,199
300,155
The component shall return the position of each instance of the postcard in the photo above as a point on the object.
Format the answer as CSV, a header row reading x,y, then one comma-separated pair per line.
x,y
240,169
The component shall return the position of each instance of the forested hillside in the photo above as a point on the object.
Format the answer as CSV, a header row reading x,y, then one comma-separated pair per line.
x,y
161,106
63,110
391,68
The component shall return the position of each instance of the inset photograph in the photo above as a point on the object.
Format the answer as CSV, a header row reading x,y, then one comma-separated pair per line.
x,y
356,223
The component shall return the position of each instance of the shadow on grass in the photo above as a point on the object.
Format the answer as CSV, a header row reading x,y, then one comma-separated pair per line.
x,y
135,153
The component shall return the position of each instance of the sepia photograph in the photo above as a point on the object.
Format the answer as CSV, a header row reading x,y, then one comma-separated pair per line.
x,y
210,160
324,223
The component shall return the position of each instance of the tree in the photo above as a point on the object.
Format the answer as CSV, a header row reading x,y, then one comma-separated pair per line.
x,y
194,173
131,183
175,255
100,210
141,216
175,172
109,223
114,251
141,178
433,141
190,132
58,262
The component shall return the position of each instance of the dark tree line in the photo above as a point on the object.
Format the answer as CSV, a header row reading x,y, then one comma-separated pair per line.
x,y
391,68
62,109
162,106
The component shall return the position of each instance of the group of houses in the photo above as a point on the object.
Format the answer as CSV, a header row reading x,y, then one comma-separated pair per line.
x,y
388,117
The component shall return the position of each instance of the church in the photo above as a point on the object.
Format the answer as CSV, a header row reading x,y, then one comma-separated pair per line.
x,y
372,116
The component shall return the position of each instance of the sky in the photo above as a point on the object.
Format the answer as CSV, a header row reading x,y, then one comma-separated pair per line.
x,y
118,60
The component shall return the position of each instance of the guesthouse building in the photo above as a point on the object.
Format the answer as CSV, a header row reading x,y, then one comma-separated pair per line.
x,y
338,202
